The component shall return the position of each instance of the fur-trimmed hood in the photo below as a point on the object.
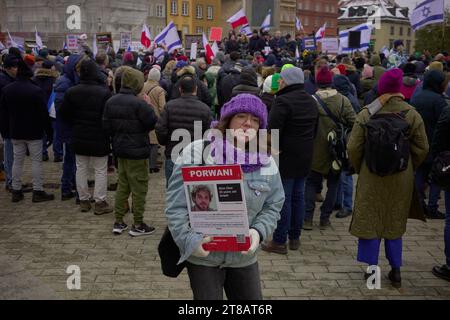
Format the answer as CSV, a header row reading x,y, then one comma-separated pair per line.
x,y
46,73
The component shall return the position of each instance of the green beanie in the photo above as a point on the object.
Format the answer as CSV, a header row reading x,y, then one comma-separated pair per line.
x,y
287,66
275,84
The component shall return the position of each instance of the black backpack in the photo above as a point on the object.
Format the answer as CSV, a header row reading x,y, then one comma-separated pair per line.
x,y
337,140
387,148
440,170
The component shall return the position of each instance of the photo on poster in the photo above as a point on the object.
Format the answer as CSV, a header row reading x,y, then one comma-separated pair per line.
x,y
203,198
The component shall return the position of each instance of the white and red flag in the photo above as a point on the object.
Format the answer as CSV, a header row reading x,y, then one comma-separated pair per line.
x,y
208,50
146,37
238,19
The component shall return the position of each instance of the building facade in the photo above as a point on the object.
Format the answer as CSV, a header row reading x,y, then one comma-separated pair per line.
x,y
314,13
50,18
391,21
194,16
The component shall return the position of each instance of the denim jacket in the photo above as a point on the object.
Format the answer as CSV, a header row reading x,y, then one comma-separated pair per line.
x,y
264,198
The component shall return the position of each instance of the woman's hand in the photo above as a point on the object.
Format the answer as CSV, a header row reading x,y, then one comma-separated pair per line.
x,y
254,242
199,252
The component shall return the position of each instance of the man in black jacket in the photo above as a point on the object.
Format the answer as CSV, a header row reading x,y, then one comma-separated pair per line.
x,y
83,108
429,103
294,113
7,75
441,143
129,119
24,109
181,113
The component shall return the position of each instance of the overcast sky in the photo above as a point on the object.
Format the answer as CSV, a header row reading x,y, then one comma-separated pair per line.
x,y
412,3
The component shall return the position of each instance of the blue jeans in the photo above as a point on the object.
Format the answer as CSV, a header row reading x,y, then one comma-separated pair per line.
x,y
8,160
344,196
447,227
421,178
369,250
293,212
69,170
312,184
58,150
168,168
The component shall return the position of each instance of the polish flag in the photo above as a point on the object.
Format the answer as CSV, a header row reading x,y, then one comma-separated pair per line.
x,y
321,32
208,50
146,37
238,19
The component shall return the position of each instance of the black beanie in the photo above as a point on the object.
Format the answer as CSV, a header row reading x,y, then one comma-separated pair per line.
x,y
23,70
249,77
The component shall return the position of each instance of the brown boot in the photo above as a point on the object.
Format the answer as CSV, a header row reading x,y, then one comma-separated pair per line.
x,y
273,247
85,206
102,208
2,176
294,244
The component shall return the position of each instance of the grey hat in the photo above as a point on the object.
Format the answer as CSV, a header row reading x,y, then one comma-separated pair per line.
x,y
292,76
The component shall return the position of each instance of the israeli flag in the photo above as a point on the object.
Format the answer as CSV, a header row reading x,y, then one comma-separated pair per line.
x,y
169,36
366,32
427,12
265,26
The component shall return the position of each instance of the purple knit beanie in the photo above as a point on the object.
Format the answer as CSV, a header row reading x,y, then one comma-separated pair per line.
x,y
390,82
246,103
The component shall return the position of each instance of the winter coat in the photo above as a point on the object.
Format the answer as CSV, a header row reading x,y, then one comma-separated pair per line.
x,y
227,84
378,70
129,120
268,100
82,109
230,46
294,113
5,79
45,79
256,44
181,113
69,79
441,139
202,90
157,99
345,87
383,204
264,196
23,110
430,102
211,76
341,107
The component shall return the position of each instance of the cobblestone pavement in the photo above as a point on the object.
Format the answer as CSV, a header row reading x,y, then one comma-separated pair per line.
x,y
39,241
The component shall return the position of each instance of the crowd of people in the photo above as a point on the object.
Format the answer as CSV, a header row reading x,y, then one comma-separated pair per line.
x,y
113,113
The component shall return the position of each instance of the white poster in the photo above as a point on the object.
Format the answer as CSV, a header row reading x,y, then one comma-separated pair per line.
x,y
194,46
125,39
330,45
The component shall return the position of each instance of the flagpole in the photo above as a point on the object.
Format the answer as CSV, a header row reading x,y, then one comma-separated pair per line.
x,y
443,26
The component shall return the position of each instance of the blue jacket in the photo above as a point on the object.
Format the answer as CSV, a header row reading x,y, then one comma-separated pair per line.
x,y
69,79
343,85
264,195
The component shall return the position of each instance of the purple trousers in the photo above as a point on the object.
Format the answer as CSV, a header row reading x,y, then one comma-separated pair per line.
x,y
369,250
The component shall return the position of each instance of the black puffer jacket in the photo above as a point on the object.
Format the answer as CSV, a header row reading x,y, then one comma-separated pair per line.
x,y
23,111
5,79
430,101
83,108
45,79
441,140
294,113
181,114
128,119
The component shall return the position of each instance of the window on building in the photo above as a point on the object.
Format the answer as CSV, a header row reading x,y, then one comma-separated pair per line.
x,y
150,10
317,7
160,11
208,32
210,13
307,5
185,29
332,9
409,32
391,43
199,30
185,8
327,8
401,31
408,46
199,12
174,7
300,5
392,30
316,22
19,23
306,21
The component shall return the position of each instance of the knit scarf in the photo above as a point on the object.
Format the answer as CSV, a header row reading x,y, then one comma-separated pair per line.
x,y
224,152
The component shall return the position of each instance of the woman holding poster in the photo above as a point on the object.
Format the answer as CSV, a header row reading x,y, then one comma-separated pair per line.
x,y
210,272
